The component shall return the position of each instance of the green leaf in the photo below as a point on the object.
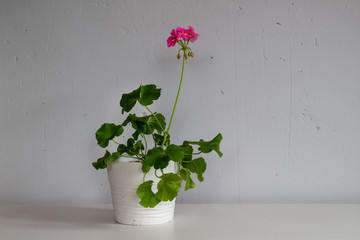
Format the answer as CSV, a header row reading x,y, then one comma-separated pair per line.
x,y
174,152
114,156
148,198
197,166
131,148
158,139
162,162
207,147
138,146
158,123
157,158
101,163
128,119
130,142
145,95
136,134
134,148
148,93
152,155
107,132
122,148
185,175
145,168
128,100
168,187
188,151
146,124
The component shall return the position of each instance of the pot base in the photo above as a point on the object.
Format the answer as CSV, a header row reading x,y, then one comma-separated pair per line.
x,y
140,216
124,178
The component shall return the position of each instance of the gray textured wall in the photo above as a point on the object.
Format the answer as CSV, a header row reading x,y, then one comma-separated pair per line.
x,y
279,79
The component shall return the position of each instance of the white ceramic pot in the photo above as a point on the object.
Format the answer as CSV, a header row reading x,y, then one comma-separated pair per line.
x,y
124,178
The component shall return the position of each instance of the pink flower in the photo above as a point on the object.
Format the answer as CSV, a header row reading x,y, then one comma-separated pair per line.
x,y
182,33
171,41
191,32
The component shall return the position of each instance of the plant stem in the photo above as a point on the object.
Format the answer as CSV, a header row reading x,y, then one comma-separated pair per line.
x,y
145,142
156,174
155,118
116,142
177,97
192,154
144,177
178,93
154,139
183,167
185,161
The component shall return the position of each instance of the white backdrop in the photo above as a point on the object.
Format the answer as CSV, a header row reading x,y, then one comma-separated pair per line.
x,y
279,79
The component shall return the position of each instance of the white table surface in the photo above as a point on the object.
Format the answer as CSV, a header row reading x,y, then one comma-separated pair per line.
x,y
192,221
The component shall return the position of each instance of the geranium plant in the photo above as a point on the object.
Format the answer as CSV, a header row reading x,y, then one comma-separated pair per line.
x,y
154,126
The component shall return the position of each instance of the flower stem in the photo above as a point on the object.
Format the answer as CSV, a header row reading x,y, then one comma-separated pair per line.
x,y
177,97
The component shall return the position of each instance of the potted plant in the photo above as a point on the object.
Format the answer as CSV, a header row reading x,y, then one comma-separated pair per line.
x,y
144,179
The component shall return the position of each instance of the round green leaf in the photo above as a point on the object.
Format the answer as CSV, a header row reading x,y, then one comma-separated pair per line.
x,y
107,132
168,187
146,195
148,93
174,152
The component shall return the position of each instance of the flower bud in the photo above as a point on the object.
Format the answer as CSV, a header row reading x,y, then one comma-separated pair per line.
x,y
178,56
186,57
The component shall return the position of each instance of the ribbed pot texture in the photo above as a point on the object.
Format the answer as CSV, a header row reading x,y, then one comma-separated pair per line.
x,y
124,178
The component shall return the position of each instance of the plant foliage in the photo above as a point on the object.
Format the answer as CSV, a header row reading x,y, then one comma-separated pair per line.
x,y
159,156
153,126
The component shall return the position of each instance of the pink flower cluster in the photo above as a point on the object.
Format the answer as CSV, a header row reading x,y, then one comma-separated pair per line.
x,y
182,33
